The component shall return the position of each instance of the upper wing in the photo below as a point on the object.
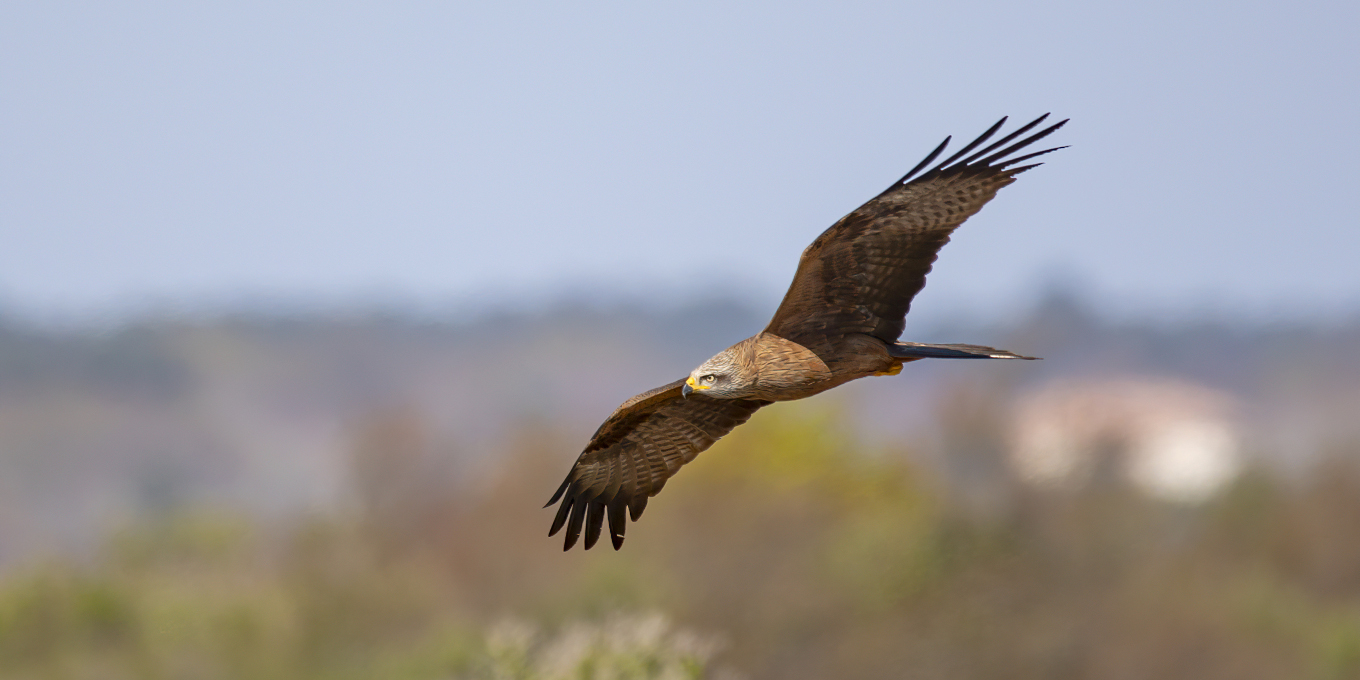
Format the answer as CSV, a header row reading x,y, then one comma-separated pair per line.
x,y
860,275
641,445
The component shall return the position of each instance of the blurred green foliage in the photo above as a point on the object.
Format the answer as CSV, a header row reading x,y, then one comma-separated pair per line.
x,y
795,549
203,598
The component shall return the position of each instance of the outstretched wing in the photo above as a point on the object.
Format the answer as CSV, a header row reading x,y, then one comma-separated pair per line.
x,y
860,275
634,452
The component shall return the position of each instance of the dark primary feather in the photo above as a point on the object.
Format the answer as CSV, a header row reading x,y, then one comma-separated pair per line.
x,y
1001,142
861,274
974,144
634,452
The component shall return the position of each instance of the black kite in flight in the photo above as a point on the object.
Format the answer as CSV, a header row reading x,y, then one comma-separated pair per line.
x,y
839,321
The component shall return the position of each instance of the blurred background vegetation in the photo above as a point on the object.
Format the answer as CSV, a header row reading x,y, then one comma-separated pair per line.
x,y
324,497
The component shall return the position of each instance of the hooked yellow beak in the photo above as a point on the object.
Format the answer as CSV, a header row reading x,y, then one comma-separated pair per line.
x,y
691,385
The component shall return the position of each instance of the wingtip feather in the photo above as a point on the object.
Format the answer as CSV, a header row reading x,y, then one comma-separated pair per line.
x,y
618,523
558,495
636,506
594,522
1021,159
560,519
1023,143
578,515
973,144
1004,140
919,166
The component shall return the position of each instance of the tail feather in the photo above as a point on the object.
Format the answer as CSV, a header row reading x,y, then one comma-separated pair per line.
x,y
917,350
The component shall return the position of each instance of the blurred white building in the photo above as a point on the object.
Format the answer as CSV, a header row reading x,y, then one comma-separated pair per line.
x,y
1170,438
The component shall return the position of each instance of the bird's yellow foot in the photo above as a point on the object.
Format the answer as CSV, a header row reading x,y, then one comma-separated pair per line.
x,y
892,370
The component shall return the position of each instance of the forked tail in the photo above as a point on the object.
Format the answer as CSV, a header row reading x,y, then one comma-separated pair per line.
x,y
917,350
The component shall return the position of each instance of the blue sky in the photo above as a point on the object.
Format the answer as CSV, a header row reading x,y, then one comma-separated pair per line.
x,y
463,155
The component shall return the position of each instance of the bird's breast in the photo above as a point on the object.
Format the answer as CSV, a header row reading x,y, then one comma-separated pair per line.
x,y
787,370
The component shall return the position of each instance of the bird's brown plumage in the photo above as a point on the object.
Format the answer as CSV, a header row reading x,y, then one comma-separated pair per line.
x,y
839,321
861,274
640,446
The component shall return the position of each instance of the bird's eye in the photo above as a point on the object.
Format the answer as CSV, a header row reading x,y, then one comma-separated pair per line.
x,y
707,378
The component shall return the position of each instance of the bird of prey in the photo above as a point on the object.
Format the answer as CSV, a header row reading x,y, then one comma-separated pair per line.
x,y
839,321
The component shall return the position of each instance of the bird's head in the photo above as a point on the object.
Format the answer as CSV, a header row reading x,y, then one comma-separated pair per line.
x,y
719,377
